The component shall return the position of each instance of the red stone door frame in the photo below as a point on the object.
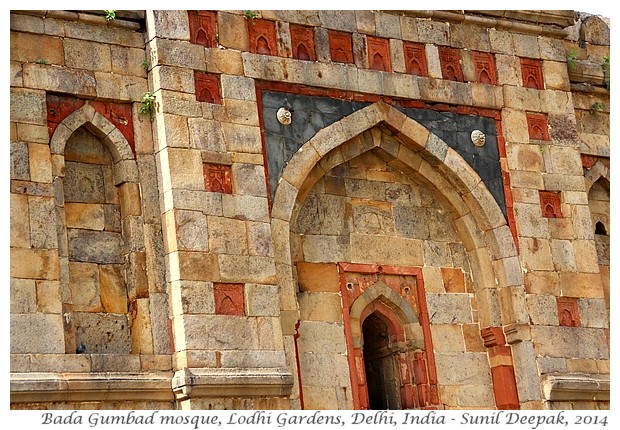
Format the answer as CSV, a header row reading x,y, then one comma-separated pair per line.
x,y
421,364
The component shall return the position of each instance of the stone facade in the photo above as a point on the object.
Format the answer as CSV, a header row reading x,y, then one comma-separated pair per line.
x,y
431,230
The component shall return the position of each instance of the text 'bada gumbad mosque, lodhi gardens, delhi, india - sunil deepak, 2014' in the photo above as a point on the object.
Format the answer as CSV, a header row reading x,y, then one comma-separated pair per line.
x,y
309,210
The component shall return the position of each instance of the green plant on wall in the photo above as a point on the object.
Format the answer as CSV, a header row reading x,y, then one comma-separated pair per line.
x,y
110,15
571,60
41,61
148,104
251,15
146,64
596,106
606,76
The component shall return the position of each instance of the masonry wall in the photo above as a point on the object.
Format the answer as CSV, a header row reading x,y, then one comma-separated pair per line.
x,y
217,209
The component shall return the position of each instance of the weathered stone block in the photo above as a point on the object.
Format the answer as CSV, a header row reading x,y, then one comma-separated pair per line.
x,y
96,246
448,338
141,330
227,236
233,31
249,208
449,308
321,337
556,75
128,61
592,313
469,36
48,297
224,61
84,286
113,293
26,330
42,213
27,47
20,164
20,221
259,239
184,167
242,138
72,81
23,295
28,106
320,248
120,87
242,268
563,255
473,369
320,306
93,329
170,24
227,332
82,54
584,285
433,32
592,342
104,34
85,216
317,277
27,23
542,309
386,250
178,103
35,264
249,179
178,53
262,300
173,78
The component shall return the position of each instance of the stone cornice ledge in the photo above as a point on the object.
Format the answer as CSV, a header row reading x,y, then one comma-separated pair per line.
x,y
231,382
95,386
561,387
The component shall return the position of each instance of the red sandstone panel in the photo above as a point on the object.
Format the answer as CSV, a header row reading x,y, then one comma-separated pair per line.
x,y
550,204
379,54
415,58
568,312
217,178
340,46
302,42
228,299
485,68
450,61
207,87
537,126
531,71
202,28
262,35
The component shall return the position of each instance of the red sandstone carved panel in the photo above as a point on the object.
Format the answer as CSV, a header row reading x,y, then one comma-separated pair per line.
x,y
202,28
485,68
207,87
262,36
217,178
415,58
302,42
550,204
450,61
379,54
58,108
340,46
228,299
537,126
531,71
568,312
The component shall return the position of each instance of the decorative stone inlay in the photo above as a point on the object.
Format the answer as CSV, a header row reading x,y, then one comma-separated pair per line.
x,y
207,87
340,46
537,126
202,28
568,312
478,138
415,58
450,61
262,36
228,299
531,72
284,116
550,204
485,68
217,178
302,42
379,54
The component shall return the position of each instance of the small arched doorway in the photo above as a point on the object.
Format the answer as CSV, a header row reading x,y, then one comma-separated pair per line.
x,y
382,375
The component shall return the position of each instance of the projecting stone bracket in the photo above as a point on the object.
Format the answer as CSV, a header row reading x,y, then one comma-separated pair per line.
x,y
565,387
81,387
228,382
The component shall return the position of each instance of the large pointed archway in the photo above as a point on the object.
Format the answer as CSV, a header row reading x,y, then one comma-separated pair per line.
x,y
408,147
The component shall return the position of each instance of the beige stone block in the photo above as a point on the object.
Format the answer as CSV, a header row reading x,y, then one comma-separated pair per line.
x,y
84,215
432,61
179,53
141,330
178,103
449,308
128,61
585,256
514,126
48,297
262,300
365,20
29,21
73,81
233,31
82,54
556,75
112,288
153,363
104,34
585,285
19,221
570,342
469,36
321,337
520,98
473,368
259,239
173,78
508,70
250,208
242,138
536,253
581,365
184,168
225,61
40,161
242,112
120,87
554,101
564,160
592,313
488,96
227,332
542,309
28,106
192,297
448,338
409,28
23,296
525,157
318,277
243,268
388,25
556,181
35,264
433,32
227,236
325,249
129,196
33,133
320,306
562,228
26,330
16,74
526,45
501,42
28,47
433,280
170,24
84,285
197,266
530,222
238,87
386,250
541,282
563,255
